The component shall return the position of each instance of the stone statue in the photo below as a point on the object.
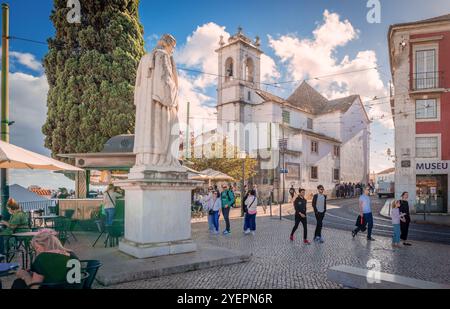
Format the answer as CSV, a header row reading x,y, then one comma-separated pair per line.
x,y
156,98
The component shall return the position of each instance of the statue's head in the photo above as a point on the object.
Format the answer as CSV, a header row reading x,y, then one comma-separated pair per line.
x,y
168,42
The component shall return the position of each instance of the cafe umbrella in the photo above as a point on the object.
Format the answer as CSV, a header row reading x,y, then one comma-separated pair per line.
x,y
14,157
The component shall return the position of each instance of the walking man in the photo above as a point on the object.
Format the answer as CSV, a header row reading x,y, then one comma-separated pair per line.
x,y
300,216
366,213
319,204
228,200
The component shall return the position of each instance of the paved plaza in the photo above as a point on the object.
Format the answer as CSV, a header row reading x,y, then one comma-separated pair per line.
x,y
277,263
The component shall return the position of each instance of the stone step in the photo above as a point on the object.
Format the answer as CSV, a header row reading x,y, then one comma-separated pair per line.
x,y
358,278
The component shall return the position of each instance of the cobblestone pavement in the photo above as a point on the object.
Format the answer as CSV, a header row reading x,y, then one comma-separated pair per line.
x,y
277,263
342,215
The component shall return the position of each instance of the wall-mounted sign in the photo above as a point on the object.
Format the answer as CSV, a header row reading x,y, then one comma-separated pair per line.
x,y
438,167
406,163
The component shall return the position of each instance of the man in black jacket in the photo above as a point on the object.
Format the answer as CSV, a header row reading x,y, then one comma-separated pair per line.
x,y
300,216
319,204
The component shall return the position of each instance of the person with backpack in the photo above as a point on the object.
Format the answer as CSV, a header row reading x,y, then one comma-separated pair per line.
x,y
319,204
228,200
250,209
300,216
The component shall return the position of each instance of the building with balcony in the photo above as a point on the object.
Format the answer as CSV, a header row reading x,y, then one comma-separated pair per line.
x,y
313,139
420,65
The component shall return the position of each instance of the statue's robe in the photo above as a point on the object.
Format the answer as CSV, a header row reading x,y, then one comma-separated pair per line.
x,y
156,99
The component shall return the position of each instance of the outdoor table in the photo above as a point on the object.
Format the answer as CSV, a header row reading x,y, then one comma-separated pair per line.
x,y
45,219
26,238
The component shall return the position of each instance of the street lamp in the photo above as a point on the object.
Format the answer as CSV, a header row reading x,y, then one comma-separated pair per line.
x,y
243,157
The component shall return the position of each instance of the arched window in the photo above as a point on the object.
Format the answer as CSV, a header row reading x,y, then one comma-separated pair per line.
x,y
229,72
249,70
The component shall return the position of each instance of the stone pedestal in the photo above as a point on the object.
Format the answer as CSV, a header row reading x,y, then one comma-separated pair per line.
x,y
157,213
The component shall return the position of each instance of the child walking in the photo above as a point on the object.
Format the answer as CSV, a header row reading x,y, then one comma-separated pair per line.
x,y
396,218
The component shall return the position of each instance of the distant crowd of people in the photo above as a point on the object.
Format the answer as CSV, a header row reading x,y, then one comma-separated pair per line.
x,y
351,190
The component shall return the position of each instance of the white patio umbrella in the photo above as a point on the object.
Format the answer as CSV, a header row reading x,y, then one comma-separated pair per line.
x,y
14,157
212,175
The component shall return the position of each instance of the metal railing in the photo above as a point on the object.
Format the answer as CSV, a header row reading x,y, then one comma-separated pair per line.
x,y
427,80
38,205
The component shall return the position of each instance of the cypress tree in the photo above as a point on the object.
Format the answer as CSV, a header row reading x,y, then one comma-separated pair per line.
x,y
91,70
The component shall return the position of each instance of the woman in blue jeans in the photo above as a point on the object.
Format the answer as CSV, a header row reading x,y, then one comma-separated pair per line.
x,y
251,207
216,206
109,202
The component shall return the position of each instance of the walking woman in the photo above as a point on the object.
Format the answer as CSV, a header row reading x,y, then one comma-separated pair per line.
x,y
300,216
251,206
216,206
396,221
404,213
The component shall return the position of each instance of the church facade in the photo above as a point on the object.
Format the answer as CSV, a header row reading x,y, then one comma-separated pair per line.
x,y
302,141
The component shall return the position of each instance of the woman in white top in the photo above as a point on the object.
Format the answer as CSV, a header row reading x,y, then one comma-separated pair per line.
x,y
207,203
216,203
396,218
251,209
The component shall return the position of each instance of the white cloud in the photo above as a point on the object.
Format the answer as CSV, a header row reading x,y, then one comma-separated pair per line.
x,y
199,53
27,60
314,57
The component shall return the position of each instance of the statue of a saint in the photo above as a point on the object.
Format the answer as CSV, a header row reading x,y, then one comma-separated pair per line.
x,y
156,98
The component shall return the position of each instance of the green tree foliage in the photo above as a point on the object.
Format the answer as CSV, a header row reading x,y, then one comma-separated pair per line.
x,y
91,70
227,161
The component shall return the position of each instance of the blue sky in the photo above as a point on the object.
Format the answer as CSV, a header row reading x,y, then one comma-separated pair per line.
x,y
282,25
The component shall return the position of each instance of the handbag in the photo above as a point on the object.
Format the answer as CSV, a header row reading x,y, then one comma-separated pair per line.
x,y
247,207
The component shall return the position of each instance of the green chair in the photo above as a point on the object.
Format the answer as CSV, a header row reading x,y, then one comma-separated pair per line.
x,y
62,227
115,232
68,214
62,285
91,267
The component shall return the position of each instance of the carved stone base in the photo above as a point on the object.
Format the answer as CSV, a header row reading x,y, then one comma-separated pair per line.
x,y
158,214
143,251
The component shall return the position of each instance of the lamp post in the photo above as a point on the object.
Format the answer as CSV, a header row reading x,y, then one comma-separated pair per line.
x,y
5,105
243,157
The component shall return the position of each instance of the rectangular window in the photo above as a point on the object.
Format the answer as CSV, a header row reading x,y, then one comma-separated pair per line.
x,y
310,124
314,147
337,151
249,96
314,172
336,174
426,109
427,147
426,75
286,117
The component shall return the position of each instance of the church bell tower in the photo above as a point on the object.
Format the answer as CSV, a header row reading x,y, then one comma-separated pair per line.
x,y
239,62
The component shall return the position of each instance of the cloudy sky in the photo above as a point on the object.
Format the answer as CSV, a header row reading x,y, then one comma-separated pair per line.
x,y
302,40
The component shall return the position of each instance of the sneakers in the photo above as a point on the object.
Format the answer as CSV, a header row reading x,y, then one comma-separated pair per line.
x,y
226,232
319,240
407,244
370,239
353,234
306,242
253,233
291,238
246,232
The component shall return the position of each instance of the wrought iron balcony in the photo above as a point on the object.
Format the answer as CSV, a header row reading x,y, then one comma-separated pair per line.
x,y
427,81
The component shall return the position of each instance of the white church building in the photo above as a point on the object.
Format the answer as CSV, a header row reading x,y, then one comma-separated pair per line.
x,y
304,140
